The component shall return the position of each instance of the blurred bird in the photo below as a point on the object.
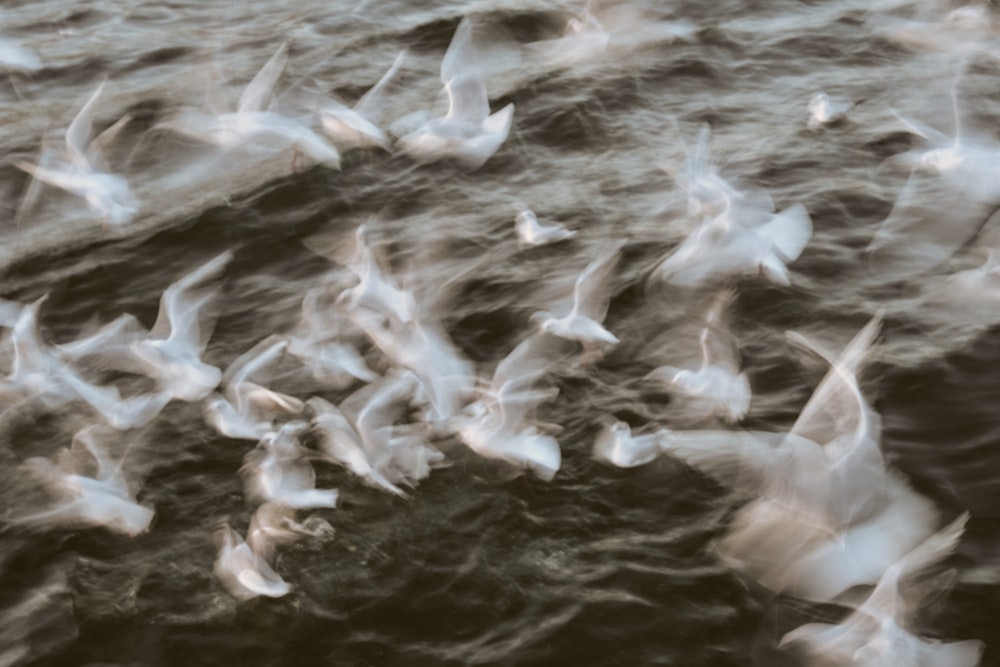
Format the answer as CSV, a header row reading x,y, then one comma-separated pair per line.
x,y
102,500
253,127
83,170
356,127
468,133
532,233
877,633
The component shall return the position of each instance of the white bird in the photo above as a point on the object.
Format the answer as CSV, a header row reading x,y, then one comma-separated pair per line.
x,y
826,513
279,471
356,127
400,454
248,410
532,233
468,133
102,500
718,382
39,371
341,443
825,111
252,127
500,424
245,573
319,342
377,289
615,444
709,194
83,170
723,246
877,633
171,351
952,178
591,297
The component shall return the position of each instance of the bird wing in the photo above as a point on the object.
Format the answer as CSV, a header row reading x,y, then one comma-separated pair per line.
x,y
371,103
837,397
179,305
592,291
259,92
79,131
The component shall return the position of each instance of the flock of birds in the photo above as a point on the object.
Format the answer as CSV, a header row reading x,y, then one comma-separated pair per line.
x,y
827,514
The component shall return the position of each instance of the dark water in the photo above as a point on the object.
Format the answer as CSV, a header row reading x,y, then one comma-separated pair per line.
x,y
599,566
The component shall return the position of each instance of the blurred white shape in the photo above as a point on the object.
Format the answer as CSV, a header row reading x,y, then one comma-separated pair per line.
x,y
15,56
824,110
826,513
102,500
615,444
377,289
591,298
951,193
39,371
248,410
342,444
878,632
319,342
83,170
724,246
718,383
530,232
279,471
468,133
253,127
171,352
245,573
963,30
500,423
356,127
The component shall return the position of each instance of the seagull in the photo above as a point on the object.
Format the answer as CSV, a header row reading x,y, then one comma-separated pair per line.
x,y
709,193
825,111
500,423
40,372
102,500
377,289
318,341
244,572
468,133
84,171
399,454
826,513
877,632
248,410
342,444
355,127
171,351
723,246
591,297
531,233
278,471
718,382
252,126
616,445
953,178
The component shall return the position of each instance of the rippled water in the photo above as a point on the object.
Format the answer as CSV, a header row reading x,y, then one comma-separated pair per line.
x,y
600,566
